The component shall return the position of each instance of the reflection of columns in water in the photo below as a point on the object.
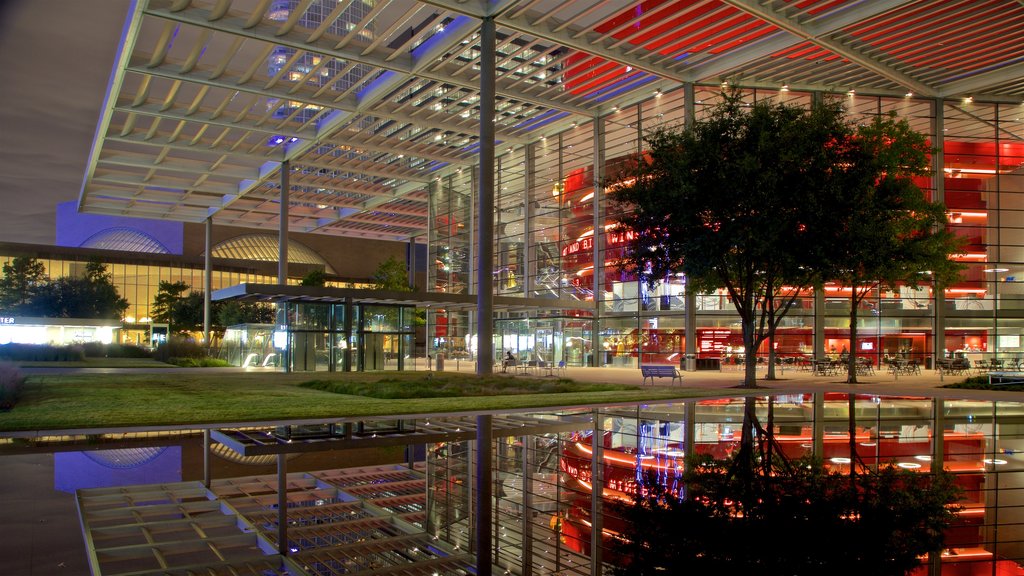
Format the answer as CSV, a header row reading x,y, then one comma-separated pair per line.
x,y
282,505
484,494
526,517
596,494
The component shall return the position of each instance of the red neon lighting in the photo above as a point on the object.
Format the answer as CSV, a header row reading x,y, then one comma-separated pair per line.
x,y
610,239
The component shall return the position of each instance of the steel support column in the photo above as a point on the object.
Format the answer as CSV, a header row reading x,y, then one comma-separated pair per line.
x,y
485,234
939,185
282,252
207,281
690,313
597,344
411,263
529,269
350,309
819,324
282,235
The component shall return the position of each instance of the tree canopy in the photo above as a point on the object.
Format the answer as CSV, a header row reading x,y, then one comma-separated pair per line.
x,y
26,290
232,312
392,274
93,295
22,281
882,229
768,200
177,307
314,278
731,201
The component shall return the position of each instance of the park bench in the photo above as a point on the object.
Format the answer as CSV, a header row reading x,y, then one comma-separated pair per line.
x,y
655,371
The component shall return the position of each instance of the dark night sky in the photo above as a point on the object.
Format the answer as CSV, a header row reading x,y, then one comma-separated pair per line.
x,y
55,63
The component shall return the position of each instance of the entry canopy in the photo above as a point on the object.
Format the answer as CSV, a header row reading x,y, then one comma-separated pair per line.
x,y
326,295
372,101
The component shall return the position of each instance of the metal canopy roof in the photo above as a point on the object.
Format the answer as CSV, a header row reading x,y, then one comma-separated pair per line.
x,y
328,295
371,100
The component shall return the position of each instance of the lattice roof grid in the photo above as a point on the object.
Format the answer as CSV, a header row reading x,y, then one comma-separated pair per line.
x,y
372,100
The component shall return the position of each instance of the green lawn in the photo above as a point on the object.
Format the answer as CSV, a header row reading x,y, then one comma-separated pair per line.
x,y
104,400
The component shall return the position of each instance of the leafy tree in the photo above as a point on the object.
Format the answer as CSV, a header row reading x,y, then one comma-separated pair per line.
x,y
182,312
233,312
92,296
792,519
314,278
881,229
732,201
392,274
22,281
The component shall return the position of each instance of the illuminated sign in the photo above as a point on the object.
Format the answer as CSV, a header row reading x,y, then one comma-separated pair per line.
x,y
6,320
611,239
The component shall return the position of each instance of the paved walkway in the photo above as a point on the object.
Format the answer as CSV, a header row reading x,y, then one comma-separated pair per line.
x,y
928,383
790,380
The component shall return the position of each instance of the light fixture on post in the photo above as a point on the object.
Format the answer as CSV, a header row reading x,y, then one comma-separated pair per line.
x,y
785,88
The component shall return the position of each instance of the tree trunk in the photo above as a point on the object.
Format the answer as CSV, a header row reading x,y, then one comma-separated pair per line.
x,y
750,353
851,360
771,356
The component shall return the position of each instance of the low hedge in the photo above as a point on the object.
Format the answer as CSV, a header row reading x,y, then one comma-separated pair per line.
x,y
98,350
206,362
14,352
179,348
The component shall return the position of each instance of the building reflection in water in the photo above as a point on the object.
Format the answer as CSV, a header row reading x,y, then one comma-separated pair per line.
x,y
544,495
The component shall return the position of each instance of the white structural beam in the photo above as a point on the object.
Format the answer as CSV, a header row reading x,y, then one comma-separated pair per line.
x,y
979,82
801,31
128,37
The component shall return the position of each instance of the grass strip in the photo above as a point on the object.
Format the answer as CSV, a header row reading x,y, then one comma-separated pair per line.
x,y
62,402
458,386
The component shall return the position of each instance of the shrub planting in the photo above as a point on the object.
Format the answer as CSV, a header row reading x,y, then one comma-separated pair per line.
x,y
98,350
11,382
179,348
14,352
204,362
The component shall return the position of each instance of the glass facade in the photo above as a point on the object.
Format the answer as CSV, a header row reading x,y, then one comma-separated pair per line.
x,y
553,238
318,337
138,282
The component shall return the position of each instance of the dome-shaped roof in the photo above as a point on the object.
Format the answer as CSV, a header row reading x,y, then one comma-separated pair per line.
x,y
265,248
125,239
